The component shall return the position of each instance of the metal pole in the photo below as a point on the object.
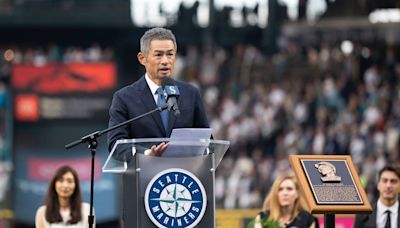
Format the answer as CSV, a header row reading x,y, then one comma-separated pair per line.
x,y
92,147
329,220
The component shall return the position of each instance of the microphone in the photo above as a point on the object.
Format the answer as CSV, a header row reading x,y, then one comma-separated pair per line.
x,y
172,93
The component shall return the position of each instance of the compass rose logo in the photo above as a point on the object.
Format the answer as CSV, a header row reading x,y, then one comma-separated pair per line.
x,y
175,198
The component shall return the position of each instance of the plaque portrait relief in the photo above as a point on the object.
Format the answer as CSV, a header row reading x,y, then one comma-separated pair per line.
x,y
330,184
328,172
331,181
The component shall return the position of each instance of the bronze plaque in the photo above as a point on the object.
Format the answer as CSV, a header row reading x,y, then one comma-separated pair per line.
x,y
331,181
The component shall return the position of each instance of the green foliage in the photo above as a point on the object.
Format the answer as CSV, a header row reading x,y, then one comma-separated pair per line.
x,y
265,223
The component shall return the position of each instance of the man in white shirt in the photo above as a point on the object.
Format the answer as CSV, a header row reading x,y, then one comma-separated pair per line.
x,y
386,210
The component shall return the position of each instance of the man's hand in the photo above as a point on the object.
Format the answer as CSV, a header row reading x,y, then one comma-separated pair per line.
x,y
156,150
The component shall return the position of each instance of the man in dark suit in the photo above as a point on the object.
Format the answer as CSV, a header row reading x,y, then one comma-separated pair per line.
x,y
157,54
386,210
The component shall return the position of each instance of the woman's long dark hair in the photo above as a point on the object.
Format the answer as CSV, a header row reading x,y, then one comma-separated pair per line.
x,y
53,205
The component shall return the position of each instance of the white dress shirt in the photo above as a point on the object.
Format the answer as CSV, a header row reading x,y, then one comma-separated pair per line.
x,y
381,215
153,87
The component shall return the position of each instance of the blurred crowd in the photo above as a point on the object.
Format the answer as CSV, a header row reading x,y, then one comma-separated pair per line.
x,y
54,53
333,98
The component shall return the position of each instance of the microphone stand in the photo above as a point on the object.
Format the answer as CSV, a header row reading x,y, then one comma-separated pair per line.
x,y
92,140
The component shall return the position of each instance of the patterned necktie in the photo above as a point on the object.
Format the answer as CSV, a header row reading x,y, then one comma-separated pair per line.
x,y
387,225
161,102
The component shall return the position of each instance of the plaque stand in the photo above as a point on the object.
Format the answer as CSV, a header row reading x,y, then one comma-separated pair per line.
x,y
320,175
329,220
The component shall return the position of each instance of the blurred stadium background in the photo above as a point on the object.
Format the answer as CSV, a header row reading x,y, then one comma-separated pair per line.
x,y
278,77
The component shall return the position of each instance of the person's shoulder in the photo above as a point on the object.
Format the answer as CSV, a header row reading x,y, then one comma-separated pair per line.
x,y
363,217
85,205
40,212
123,90
133,86
40,219
41,209
185,85
305,217
305,214
365,220
264,214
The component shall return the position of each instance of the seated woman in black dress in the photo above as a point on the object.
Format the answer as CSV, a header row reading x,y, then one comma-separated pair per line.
x,y
285,205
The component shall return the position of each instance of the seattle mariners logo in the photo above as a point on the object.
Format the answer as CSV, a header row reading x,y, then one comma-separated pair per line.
x,y
175,198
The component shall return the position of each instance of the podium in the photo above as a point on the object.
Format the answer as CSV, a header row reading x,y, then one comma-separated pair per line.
x,y
176,189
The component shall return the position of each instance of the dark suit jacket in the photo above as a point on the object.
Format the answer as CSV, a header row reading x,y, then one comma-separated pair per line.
x,y
136,99
369,220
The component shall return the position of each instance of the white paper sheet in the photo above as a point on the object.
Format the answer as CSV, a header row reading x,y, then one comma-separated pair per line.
x,y
186,142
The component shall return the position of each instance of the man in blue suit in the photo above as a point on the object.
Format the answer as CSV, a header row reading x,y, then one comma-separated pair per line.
x,y
157,54
385,212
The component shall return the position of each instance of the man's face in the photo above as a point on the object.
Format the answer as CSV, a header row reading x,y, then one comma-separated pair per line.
x,y
160,59
325,170
389,185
